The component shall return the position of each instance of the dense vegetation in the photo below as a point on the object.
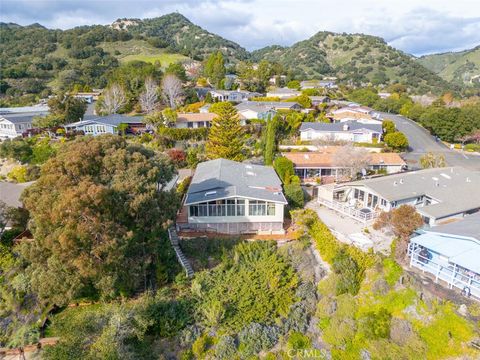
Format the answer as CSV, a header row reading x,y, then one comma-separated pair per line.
x,y
354,59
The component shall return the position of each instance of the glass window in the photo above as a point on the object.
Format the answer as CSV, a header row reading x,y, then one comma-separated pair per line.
x,y
271,209
231,207
240,207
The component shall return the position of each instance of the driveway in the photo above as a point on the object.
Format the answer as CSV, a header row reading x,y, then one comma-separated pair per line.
x,y
421,142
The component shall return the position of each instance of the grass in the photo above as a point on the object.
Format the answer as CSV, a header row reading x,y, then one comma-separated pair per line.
x,y
141,50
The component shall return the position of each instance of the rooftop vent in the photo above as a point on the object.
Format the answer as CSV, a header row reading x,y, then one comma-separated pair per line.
x,y
250,173
345,127
208,193
468,180
445,176
401,181
434,178
248,166
306,156
394,183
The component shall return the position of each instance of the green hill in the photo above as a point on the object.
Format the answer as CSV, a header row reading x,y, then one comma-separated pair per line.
x,y
459,67
353,58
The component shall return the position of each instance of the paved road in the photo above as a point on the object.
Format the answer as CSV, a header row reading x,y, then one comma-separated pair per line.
x,y
421,142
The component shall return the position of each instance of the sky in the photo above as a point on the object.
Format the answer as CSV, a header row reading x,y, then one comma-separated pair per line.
x,y
417,27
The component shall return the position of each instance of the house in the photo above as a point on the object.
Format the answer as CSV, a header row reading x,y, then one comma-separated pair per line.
x,y
327,84
194,120
318,100
231,197
233,95
450,253
99,125
355,113
15,121
350,131
321,166
439,195
283,93
275,105
255,110
384,95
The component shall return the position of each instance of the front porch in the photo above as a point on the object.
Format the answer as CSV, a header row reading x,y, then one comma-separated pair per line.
x,y
365,215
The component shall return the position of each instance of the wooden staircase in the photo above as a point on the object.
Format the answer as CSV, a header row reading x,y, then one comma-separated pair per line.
x,y
174,240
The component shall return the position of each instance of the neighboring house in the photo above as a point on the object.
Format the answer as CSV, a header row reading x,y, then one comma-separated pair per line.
x,y
318,100
450,253
99,125
350,131
384,95
255,110
321,166
15,121
275,105
230,197
438,194
233,95
360,114
327,84
194,120
283,93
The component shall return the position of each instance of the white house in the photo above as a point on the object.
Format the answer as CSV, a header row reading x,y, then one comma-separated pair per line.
x,y
283,93
230,197
99,125
350,131
450,253
15,121
233,95
440,194
255,110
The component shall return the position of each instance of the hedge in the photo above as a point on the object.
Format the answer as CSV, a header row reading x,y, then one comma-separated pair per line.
x,y
184,134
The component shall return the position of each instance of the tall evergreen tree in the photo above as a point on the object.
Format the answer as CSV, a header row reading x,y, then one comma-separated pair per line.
x,y
270,140
225,139
214,68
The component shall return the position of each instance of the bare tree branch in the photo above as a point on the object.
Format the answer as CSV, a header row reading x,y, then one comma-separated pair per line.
x,y
113,99
351,157
148,99
172,90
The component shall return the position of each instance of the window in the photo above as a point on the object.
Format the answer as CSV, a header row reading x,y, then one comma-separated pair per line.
x,y
261,208
240,207
271,209
189,124
231,207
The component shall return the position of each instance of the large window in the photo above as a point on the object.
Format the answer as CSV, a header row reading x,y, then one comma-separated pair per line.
x,y
232,207
261,208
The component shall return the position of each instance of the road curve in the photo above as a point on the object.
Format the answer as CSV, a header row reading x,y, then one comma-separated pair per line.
x,y
422,142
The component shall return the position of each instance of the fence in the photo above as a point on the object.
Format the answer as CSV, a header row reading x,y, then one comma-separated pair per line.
x,y
349,211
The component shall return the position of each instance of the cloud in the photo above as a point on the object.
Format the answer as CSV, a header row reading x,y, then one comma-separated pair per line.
x,y
435,26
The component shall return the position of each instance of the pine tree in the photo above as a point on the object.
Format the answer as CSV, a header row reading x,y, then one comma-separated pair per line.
x,y
225,139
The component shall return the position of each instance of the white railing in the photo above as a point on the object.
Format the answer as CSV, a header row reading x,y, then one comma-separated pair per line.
x,y
349,210
451,273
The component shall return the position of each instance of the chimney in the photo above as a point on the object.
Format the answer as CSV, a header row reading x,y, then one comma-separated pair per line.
x,y
345,127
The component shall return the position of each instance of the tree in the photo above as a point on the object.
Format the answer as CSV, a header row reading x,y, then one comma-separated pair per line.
x,y
97,213
396,140
148,98
214,68
48,121
225,139
294,195
402,221
431,160
66,108
388,126
270,140
349,156
303,100
169,116
178,70
172,90
293,84
122,128
113,99
284,169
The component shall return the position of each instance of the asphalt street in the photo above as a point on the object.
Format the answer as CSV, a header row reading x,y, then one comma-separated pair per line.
x,y
421,142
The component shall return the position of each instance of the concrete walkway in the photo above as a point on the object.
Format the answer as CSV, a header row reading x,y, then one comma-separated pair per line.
x,y
350,231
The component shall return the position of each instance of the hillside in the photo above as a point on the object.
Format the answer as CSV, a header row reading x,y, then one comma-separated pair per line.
x,y
459,67
354,58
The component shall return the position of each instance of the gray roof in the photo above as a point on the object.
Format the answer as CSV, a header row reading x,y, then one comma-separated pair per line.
x,y
338,127
271,104
257,107
114,120
10,192
469,226
221,178
455,188
21,118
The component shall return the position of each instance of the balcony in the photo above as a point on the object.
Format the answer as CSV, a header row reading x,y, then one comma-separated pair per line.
x,y
364,215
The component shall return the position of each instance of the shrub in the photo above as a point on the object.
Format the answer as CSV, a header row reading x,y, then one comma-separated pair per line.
x,y
178,157
349,273
184,134
375,325
396,140
201,345
284,168
298,341
294,195
255,338
18,174
225,349
297,320
183,186
392,271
